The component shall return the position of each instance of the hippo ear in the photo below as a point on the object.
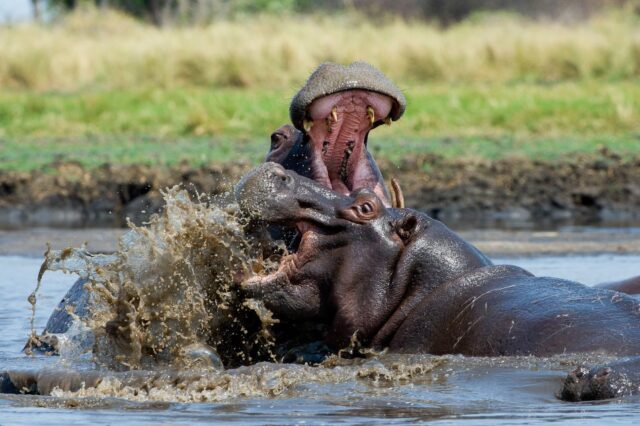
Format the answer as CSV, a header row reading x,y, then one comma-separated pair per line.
x,y
406,226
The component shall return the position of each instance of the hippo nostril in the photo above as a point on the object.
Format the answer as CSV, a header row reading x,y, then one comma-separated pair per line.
x,y
579,372
604,373
284,178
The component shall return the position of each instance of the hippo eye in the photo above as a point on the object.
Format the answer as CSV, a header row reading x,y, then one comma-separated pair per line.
x,y
366,208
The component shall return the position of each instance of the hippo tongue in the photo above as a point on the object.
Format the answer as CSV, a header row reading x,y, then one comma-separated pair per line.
x,y
338,127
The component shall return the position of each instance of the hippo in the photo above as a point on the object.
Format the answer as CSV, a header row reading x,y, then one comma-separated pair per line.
x,y
628,286
618,379
328,139
332,115
399,280
60,321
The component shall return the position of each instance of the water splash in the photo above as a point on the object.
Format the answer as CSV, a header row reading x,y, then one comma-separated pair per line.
x,y
169,290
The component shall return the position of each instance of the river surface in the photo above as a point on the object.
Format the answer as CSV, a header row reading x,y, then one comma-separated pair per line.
x,y
383,390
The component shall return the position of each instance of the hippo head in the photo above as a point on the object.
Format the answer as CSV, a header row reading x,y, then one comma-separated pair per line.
x,y
332,115
360,266
329,277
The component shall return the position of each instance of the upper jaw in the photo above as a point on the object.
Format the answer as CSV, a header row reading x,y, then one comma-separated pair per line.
x,y
313,206
330,78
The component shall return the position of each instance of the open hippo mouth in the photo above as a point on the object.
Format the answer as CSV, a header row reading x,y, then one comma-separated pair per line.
x,y
335,110
338,126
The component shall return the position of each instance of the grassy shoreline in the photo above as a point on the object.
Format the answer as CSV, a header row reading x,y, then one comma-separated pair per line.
x,y
434,109
202,125
39,153
104,88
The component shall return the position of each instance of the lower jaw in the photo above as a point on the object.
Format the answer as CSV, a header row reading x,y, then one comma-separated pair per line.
x,y
345,185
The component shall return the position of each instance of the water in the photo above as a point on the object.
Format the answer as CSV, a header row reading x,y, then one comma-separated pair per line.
x,y
385,390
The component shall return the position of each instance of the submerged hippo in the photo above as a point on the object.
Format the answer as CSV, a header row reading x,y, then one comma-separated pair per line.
x,y
619,379
398,279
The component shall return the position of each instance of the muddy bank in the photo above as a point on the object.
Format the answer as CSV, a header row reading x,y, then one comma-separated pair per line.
x,y
582,189
68,195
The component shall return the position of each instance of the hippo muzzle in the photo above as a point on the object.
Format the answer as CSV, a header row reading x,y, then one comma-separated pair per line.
x,y
272,194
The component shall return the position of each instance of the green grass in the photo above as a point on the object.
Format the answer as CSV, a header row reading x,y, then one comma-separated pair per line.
x,y
200,125
32,154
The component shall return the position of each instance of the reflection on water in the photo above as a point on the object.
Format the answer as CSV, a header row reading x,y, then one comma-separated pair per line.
x,y
387,390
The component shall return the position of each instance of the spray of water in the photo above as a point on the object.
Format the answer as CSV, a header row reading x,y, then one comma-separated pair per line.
x,y
169,291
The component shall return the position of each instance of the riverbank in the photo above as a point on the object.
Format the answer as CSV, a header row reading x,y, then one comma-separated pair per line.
x,y
466,193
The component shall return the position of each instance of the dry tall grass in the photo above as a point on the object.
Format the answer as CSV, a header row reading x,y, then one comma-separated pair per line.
x,y
111,50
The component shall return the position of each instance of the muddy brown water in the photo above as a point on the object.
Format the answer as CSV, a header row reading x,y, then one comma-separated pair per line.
x,y
384,390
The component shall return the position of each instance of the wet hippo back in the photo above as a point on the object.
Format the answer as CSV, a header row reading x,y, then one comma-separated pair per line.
x,y
76,300
504,310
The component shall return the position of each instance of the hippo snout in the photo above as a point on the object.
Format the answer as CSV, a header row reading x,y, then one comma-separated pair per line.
x,y
256,190
599,382
273,194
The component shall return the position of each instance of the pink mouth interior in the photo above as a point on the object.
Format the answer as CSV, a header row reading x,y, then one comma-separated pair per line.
x,y
339,125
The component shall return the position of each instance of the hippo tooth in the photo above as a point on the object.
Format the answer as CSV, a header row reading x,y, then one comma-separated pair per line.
x,y
387,121
371,114
397,195
307,124
334,114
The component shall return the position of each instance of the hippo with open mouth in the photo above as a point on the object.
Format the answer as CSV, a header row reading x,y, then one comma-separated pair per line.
x,y
332,116
398,279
